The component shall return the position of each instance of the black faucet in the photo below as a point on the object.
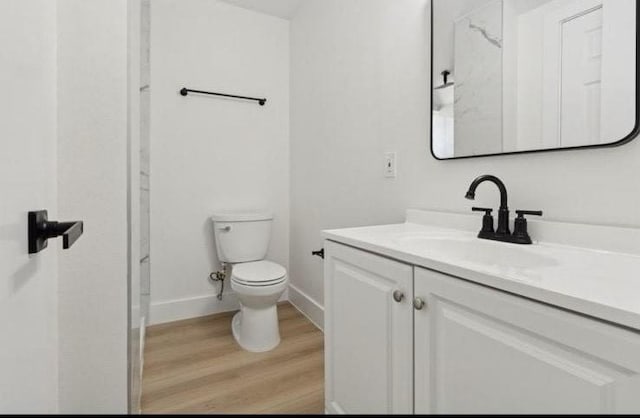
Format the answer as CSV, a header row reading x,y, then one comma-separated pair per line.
x,y
503,212
502,233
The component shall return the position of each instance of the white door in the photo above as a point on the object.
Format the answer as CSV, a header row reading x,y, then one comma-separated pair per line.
x,y
479,350
581,79
28,293
368,334
588,45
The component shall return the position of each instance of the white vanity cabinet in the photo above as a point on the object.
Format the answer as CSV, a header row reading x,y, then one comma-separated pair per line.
x,y
480,350
368,334
467,348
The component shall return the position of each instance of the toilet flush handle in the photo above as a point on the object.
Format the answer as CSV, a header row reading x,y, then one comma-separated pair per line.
x,y
225,228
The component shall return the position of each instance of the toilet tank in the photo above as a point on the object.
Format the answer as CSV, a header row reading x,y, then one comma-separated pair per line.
x,y
242,236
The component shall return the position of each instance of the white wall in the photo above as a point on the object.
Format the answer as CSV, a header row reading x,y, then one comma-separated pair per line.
x,y
92,184
209,153
28,294
360,86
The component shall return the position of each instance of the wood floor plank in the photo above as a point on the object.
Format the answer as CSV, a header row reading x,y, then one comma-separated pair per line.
x,y
233,362
195,366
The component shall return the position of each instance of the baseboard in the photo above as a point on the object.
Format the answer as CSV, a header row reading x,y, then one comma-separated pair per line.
x,y
307,305
194,307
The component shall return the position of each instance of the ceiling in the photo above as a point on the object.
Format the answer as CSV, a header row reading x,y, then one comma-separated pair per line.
x,y
280,8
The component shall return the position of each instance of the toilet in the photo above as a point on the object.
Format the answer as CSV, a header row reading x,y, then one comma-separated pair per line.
x,y
242,240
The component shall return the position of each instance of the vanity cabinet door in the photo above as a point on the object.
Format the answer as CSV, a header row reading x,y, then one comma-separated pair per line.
x,y
368,333
479,350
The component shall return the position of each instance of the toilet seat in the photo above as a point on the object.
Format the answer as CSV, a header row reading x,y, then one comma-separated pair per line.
x,y
258,274
263,284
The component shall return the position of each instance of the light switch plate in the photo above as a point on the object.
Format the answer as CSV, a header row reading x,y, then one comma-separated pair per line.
x,y
390,165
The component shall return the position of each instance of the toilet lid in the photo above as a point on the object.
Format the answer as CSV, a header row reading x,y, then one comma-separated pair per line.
x,y
258,272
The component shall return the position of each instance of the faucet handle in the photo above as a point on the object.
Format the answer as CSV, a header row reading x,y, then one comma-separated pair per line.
x,y
520,233
487,211
487,230
521,213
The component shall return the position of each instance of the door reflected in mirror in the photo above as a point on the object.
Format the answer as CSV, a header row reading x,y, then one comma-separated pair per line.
x,y
514,76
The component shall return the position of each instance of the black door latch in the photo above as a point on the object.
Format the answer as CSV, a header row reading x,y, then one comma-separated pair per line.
x,y
41,229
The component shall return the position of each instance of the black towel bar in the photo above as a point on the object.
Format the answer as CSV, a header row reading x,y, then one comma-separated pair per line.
x,y
185,92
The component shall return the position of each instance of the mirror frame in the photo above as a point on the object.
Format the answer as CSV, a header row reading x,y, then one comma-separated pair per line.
x,y
632,135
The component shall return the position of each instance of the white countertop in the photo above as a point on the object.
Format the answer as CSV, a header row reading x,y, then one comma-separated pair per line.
x,y
597,282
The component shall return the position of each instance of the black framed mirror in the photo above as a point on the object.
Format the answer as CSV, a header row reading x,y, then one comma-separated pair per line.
x,y
522,76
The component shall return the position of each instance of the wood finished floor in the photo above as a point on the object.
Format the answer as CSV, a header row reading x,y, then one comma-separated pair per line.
x,y
195,366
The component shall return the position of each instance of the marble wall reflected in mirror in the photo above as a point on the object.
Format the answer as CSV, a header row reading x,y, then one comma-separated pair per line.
x,y
528,75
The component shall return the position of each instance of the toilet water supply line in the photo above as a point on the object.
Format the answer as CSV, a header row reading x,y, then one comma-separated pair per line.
x,y
219,276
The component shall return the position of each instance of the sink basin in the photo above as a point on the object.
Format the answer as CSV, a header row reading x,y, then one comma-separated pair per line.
x,y
479,252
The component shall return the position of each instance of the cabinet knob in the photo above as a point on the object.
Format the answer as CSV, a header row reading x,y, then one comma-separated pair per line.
x,y
398,296
419,304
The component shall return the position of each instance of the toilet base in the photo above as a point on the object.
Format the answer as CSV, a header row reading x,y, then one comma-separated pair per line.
x,y
256,330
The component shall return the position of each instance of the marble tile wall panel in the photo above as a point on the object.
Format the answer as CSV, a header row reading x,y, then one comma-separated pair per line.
x,y
478,77
145,155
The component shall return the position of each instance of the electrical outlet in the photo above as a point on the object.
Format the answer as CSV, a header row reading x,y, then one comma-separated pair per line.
x,y
390,165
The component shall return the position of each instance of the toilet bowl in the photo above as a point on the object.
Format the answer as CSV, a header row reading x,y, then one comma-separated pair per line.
x,y
258,286
242,240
